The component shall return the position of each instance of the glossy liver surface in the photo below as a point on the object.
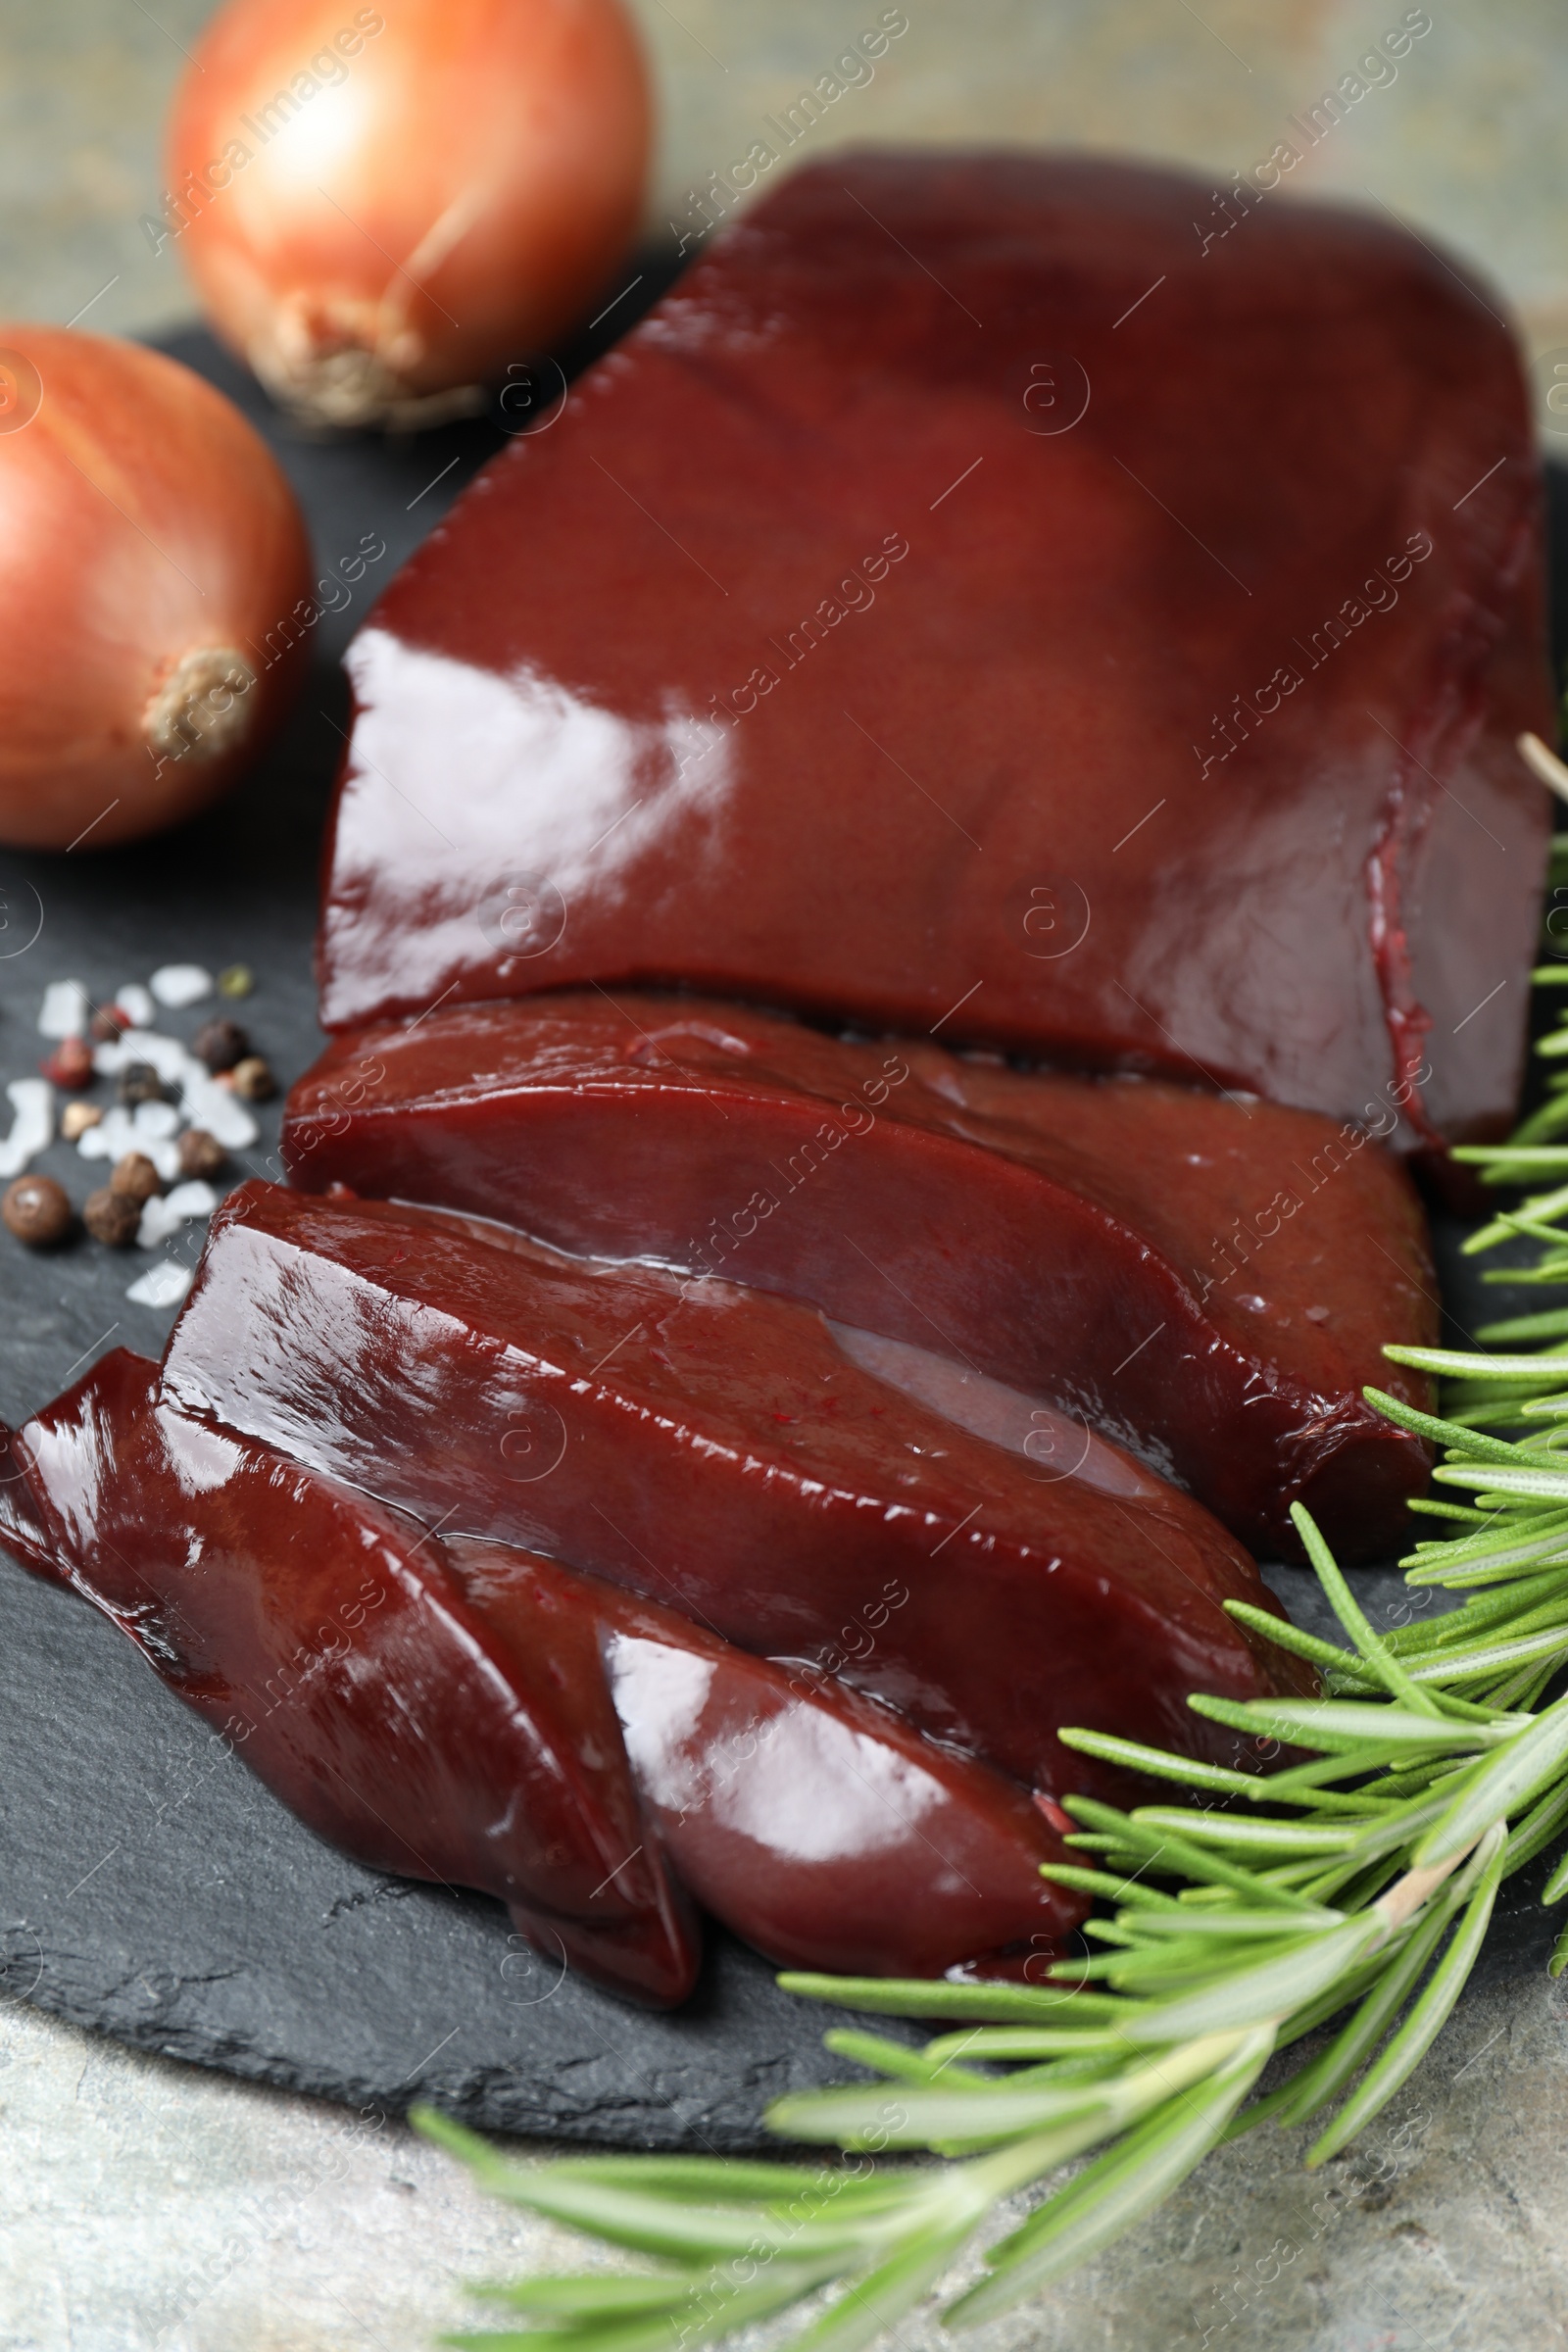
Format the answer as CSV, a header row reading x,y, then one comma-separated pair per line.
x,y
1213,1280
712,1447
469,1712
902,625
318,1632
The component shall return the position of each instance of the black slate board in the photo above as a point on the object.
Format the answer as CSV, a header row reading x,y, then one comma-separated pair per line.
x,y
149,1887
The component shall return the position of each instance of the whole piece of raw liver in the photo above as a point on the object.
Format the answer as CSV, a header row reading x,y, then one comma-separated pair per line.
x,y
469,1713
1210,1279
717,1449
973,602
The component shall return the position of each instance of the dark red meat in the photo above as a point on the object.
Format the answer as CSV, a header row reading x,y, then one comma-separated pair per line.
x,y
469,1713
715,1448
818,655
1209,1278
326,1637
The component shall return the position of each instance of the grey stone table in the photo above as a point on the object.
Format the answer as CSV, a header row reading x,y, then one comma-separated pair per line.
x,y
150,2207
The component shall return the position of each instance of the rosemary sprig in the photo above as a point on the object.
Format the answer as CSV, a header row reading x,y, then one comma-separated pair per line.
x,y
1355,1886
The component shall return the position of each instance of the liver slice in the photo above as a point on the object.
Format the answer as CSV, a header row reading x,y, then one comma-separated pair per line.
x,y
1209,1280
1178,739
467,1712
713,1448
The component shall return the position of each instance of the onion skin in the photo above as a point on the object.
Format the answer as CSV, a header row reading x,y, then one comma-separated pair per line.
x,y
149,547
451,196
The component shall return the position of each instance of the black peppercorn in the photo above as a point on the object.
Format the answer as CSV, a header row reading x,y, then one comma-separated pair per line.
x,y
221,1044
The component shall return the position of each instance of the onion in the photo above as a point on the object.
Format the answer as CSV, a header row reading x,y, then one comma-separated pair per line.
x,y
382,206
151,555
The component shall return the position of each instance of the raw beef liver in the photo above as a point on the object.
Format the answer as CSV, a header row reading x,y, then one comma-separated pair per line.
x,y
1211,1279
467,1712
973,601
714,1448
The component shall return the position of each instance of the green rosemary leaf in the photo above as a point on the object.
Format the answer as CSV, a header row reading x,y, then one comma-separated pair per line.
x,y
1441,1432
984,2004
1176,1853
1502,1785
1349,1611
1327,2074
1285,1637
895,2058
1507,1485
1431,2012
714,2304
875,2300
1192,1922
1250,1836
1548,1326
1537,1831
1337,1726
1100,1882
1109,2195
1451,1361
1267,1990
1134,1757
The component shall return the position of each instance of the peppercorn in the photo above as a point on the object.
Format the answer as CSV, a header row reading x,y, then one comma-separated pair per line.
x,y
221,1045
139,1082
76,1118
112,1217
108,1025
38,1211
71,1063
200,1153
135,1177
236,980
252,1079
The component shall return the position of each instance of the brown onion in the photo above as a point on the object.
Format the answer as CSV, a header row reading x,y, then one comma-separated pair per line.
x,y
383,207
150,549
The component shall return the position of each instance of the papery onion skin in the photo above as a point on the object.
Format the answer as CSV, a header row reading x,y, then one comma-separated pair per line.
x,y
151,558
382,208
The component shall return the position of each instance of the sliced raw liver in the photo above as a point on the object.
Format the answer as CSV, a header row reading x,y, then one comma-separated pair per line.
x,y
454,1711
828,651
323,1635
1210,1279
819,1826
714,1448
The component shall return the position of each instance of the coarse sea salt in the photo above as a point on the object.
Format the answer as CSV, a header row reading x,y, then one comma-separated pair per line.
x,y
165,1213
33,1129
203,1102
220,1110
163,1285
180,984
65,1009
136,1004
118,1133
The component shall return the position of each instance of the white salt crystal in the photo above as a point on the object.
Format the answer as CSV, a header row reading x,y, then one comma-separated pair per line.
x,y
163,1214
166,1055
163,1285
220,1110
118,1133
180,984
33,1129
156,1118
65,1009
136,1004
203,1102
